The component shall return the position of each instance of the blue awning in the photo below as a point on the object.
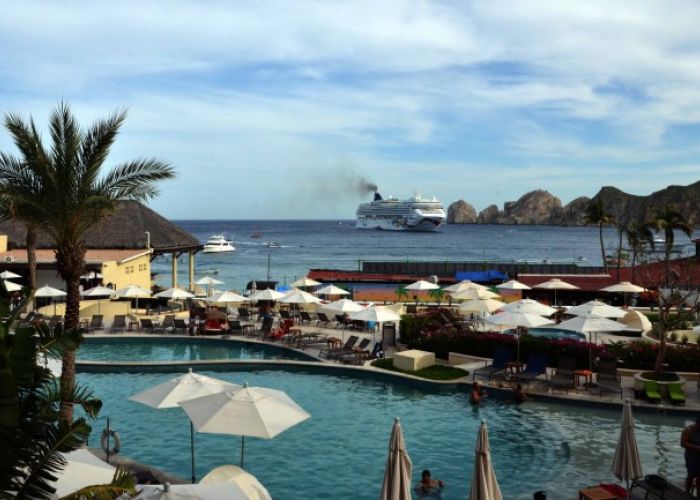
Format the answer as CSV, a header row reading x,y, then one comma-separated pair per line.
x,y
481,276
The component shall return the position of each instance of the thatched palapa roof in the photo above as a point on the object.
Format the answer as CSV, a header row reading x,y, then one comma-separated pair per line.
x,y
125,228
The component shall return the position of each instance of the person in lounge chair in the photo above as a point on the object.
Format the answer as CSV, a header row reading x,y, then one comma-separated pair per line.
x,y
690,441
478,393
519,394
428,487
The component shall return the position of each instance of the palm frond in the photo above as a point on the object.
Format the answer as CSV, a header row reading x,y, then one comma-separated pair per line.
x,y
96,145
135,180
122,482
28,141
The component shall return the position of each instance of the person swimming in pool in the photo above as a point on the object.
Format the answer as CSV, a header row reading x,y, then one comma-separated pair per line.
x,y
428,487
478,393
519,394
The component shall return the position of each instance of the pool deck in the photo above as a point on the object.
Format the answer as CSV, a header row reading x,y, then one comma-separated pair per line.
x,y
537,389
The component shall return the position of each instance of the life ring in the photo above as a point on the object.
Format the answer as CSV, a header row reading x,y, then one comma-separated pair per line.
x,y
114,435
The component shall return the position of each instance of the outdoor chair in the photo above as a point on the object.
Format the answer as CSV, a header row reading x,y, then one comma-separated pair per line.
x,y
676,393
651,390
608,379
349,344
536,366
95,323
501,356
234,326
305,317
322,318
180,324
358,324
356,355
168,322
284,314
563,377
119,323
243,313
147,325
266,327
343,320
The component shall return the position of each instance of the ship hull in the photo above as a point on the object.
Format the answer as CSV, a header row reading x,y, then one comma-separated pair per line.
x,y
391,224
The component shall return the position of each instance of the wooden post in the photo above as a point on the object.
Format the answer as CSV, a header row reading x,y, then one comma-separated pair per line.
x,y
191,255
174,270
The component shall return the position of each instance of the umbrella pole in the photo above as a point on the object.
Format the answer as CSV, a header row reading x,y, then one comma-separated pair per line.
x,y
194,479
242,449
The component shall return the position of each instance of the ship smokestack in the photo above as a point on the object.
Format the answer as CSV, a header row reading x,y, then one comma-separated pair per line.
x,y
377,196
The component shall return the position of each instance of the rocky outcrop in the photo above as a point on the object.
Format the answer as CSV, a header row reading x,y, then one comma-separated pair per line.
x,y
535,207
461,212
489,215
541,207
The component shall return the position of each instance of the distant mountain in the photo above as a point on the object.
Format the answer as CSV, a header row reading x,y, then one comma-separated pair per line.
x,y
541,207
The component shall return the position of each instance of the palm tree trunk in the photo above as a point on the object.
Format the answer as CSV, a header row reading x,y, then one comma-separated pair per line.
x,y
70,263
31,255
634,264
602,247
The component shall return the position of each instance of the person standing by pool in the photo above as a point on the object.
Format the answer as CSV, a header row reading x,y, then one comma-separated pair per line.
x,y
477,394
519,394
428,487
690,441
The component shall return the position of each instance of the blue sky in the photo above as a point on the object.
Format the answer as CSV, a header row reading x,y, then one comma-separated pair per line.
x,y
270,109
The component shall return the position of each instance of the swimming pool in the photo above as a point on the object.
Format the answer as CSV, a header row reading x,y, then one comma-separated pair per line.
x,y
340,452
555,333
180,349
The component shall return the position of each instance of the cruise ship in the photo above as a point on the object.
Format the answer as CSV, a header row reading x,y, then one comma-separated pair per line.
x,y
414,214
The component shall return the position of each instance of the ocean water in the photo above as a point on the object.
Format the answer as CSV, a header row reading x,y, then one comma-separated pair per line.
x,y
338,245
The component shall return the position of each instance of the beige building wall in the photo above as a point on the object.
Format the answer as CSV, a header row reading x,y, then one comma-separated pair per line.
x,y
134,271
3,243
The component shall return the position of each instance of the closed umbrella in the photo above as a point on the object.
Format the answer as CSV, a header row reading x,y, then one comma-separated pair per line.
x,y
422,285
513,285
596,308
464,285
305,283
530,306
50,292
627,464
174,294
331,290
475,295
246,411
133,292
556,284
6,275
268,294
398,470
484,482
12,287
171,393
481,306
99,292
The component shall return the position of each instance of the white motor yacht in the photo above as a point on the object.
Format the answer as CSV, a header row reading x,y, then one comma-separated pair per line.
x,y
218,244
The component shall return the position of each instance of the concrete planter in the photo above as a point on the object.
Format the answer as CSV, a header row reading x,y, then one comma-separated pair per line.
x,y
640,383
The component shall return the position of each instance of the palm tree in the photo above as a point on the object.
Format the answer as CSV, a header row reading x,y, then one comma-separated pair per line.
x,y
668,220
639,236
65,192
401,293
437,295
596,215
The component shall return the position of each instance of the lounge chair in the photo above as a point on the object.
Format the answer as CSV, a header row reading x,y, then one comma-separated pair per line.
x,y
322,318
305,317
95,323
608,379
284,314
536,366
119,323
349,344
342,320
234,326
361,348
147,325
676,393
563,377
168,322
651,391
501,356
180,324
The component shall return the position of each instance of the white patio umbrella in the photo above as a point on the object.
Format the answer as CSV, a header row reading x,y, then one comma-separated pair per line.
x,y
481,306
305,283
592,324
133,292
99,292
556,284
422,285
636,320
484,483
299,297
209,282
268,294
627,464
226,298
475,295
188,386
398,469
596,308
174,293
50,292
513,285
529,306
246,411
331,290
624,287
82,469
12,287
91,275
463,286
343,306
518,320
232,474
9,275
198,491
378,314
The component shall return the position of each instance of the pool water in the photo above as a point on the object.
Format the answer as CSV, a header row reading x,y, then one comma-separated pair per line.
x,y
180,349
555,333
340,452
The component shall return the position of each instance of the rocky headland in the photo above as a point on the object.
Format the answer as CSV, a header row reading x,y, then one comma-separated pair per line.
x,y
542,207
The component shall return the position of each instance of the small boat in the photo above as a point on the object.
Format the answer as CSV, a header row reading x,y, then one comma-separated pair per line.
x,y
218,244
256,235
207,270
273,244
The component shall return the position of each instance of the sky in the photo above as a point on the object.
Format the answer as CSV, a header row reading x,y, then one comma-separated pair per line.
x,y
275,109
